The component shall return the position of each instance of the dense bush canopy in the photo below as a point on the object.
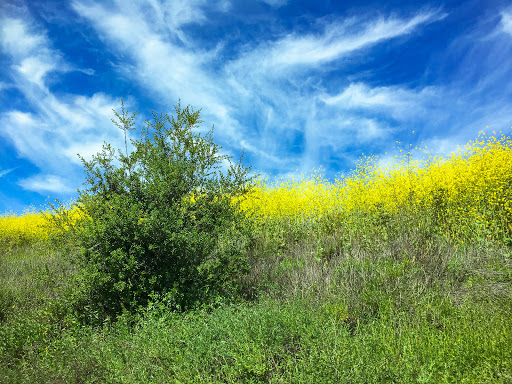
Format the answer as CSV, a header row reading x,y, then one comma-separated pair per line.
x,y
160,219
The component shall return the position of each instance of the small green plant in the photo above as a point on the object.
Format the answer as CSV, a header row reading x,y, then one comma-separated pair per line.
x,y
161,219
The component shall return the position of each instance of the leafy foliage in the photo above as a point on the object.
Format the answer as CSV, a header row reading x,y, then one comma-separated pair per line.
x,y
160,219
394,279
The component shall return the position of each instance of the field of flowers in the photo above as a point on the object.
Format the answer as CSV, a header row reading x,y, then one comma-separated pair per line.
x,y
34,226
17,230
468,192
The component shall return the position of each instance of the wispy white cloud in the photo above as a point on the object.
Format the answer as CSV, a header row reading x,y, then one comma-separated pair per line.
x,y
7,171
30,50
338,39
34,69
46,183
370,130
397,102
506,21
173,14
87,71
18,39
244,85
52,137
159,62
441,146
4,85
285,76
359,95
57,126
275,3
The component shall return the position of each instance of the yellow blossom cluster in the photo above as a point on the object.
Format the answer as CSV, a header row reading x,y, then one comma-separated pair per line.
x,y
307,198
29,227
470,188
35,226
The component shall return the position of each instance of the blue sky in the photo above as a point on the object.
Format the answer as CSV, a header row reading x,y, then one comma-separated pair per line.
x,y
300,85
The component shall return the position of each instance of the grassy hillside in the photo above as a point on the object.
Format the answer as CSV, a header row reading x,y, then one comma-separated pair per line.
x,y
400,274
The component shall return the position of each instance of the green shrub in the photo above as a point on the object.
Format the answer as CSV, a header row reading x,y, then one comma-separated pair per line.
x,y
161,219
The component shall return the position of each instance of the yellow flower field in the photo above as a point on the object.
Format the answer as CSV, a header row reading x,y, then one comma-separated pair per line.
x,y
305,199
31,226
472,188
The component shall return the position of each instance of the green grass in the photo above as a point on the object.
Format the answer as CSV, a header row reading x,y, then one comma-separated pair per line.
x,y
272,341
366,304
